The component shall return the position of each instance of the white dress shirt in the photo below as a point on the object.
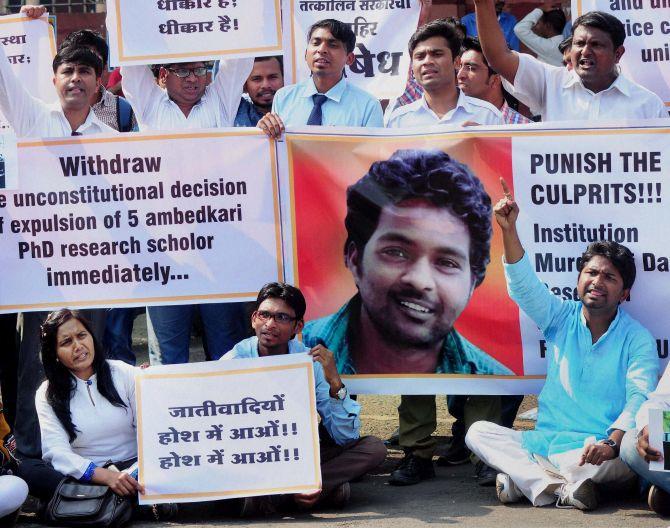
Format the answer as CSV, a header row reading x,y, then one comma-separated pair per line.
x,y
559,95
546,49
419,114
32,117
104,432
155,110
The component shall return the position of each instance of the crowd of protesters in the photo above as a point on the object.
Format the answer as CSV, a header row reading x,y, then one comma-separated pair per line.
x,y
592,425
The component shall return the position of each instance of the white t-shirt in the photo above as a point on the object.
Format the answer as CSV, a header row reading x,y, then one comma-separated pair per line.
x,y
559,95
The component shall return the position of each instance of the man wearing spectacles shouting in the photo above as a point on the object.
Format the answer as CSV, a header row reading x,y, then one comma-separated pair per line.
x,y
345,456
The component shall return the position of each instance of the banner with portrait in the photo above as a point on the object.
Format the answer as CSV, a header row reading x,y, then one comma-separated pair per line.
x,y
167,31
382,28
140,219
226,429
398,279
647,26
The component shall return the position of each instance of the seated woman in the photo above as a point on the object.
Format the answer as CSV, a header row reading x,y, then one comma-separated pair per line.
x,y
86,410
13,492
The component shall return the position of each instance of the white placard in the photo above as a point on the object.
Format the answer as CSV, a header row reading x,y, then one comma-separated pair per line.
x,y
659,438
647,24
141,219
166,31
382,29
226,429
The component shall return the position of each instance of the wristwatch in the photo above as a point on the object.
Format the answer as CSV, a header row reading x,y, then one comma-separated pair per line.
x,y
342,393
612,444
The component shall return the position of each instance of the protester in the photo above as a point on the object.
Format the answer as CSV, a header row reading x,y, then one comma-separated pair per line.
x,y
404,210
187,102
345,455
565,47
504,20
433,49
86,410
541,31
327,97
477,79
637,453
593,89
265,79
602,365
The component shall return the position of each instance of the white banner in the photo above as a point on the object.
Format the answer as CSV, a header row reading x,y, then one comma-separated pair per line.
x,y
382,29
647,23
30,47
165,31
225,429
141,219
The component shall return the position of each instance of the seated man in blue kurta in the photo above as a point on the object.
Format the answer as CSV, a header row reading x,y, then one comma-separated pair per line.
x,y
601,365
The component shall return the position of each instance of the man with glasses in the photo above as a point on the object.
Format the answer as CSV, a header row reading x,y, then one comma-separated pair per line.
x,y
345,456
188,102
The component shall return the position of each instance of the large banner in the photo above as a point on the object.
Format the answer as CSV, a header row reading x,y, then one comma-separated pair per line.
x,y
30,46
382,29
404,273
647,24
226,429
140,219
165,31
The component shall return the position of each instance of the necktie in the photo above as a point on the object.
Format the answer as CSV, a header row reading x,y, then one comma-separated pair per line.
x,y
75,133
316,116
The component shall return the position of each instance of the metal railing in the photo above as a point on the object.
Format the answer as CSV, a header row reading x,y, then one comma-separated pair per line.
x,y
59,6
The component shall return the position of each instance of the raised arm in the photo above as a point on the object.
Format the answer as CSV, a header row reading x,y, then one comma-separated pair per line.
x,y
506,212
500,57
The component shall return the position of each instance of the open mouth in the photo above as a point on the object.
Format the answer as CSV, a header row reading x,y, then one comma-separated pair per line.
x,y
81,357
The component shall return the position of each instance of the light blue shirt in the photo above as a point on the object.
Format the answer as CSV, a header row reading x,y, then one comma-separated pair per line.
x,y
347,105
507,21
591,388
339,417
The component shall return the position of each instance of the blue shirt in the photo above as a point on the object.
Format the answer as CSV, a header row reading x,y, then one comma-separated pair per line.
x,y
347,105
339,417
591,388
458,355
506,22
247,114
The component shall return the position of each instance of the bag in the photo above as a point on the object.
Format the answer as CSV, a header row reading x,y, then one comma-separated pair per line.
x,y
124,115
82,505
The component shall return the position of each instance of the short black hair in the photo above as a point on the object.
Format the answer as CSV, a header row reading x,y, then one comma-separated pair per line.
x,y
565,45
287,293
278,58
437,28
555,19
87,38
619,255
75,55
473,44
604,22
431,175
339,30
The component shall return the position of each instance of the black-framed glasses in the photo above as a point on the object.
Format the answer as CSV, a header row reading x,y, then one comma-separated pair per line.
x,y
279,317
182,73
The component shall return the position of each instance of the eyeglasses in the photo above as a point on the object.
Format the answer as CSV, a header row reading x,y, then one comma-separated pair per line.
x,y
182,73
279,317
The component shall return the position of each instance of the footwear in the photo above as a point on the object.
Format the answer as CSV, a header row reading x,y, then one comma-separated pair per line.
x,y
457,454
394,439
506,490
659,501
164,512
485,475
257,506
412,470
583,497
339,497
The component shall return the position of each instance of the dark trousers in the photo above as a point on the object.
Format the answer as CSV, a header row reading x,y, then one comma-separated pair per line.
x,y
41,478
31,375
340,464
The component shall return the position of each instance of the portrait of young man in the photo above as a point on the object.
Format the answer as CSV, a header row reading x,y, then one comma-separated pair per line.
x,y
418,241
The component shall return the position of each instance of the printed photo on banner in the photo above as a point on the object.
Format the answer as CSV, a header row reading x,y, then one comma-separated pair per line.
x,y
380,61
646,59
659,438
226,429
394,250
141,219
166,31
30,46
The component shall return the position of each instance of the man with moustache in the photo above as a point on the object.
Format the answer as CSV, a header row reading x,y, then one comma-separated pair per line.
x,y
265,79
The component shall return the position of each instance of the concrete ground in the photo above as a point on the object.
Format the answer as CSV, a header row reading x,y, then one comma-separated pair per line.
x,y
452,498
